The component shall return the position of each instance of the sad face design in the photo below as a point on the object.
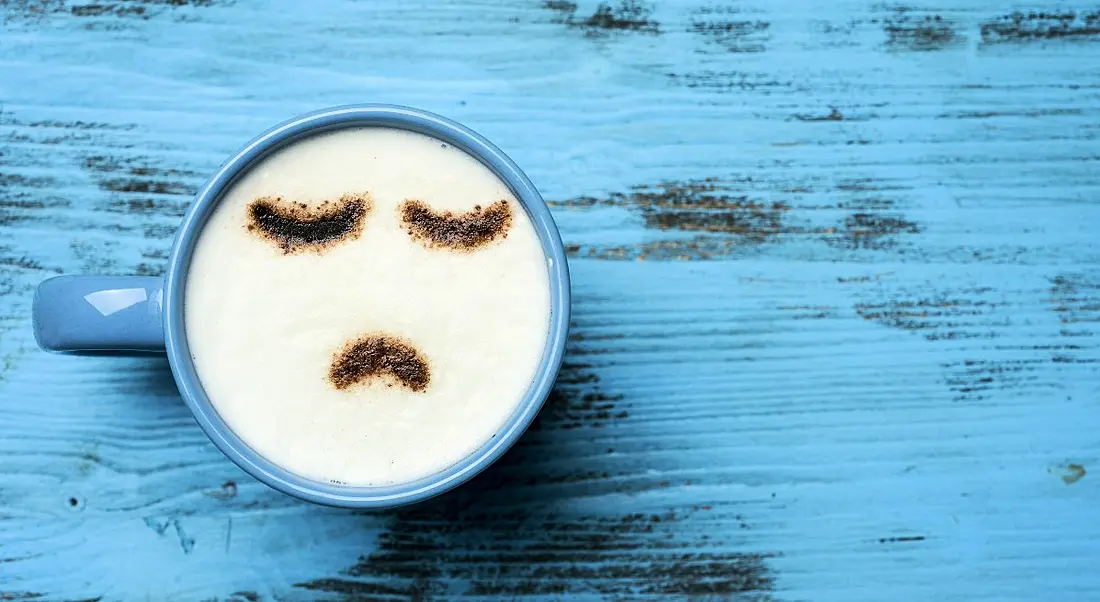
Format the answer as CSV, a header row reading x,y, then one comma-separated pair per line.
x,y
296,227
367,307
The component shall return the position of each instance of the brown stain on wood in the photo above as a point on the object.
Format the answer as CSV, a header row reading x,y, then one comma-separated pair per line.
x,y
22,200
138,175
22,196
808,312
1018,113
856,112
30,10
23,262
15,180
148,269
579,401
863,279
834,114
154,262
976,380
125,9
96,256
937,315
566,10
902,539
135,185
868,185
906,29
728,216
1075,299
726,28
700,248
729,81
443,550
224,493
174,207
1071,473
73,125
1068,359
709,205
876,231
920,33
109,10
625,16
49,133
1035,26
753,220
141,185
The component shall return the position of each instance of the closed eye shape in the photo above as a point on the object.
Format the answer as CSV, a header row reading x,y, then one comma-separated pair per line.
x,y
459,232
296,227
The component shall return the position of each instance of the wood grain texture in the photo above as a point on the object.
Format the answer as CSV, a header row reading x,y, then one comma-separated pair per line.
x,y
836,277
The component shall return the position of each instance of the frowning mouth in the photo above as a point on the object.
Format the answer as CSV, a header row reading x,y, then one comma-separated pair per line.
x,y
383,357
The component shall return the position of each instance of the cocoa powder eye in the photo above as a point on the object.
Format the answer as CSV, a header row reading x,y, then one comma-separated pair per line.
x,y
456,231
296,227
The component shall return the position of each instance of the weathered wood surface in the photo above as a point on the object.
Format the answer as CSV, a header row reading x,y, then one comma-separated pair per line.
x,y
837,296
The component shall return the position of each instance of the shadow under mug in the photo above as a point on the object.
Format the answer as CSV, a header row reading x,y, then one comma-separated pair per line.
x,y
128,314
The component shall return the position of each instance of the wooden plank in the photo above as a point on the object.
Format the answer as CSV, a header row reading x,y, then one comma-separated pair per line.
x,y
837,296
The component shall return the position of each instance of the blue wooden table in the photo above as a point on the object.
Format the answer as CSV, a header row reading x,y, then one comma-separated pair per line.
x,y
836,276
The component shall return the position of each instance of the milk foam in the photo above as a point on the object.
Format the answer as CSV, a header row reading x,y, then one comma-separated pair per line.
x,y
263,325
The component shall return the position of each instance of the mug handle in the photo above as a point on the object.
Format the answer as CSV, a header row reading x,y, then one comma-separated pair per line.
x,y
90,314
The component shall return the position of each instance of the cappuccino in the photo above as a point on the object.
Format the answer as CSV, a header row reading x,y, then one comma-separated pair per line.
x,y
367,306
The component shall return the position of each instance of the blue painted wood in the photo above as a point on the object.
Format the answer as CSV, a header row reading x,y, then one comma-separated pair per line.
x,y
837,291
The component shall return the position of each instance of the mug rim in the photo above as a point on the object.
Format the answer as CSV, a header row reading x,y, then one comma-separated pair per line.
x,y
331,119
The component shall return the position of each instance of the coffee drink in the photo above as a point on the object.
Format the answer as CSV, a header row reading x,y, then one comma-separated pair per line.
x,y
367,306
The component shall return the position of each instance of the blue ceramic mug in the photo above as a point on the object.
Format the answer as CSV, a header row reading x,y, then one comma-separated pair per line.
x,y
127,314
